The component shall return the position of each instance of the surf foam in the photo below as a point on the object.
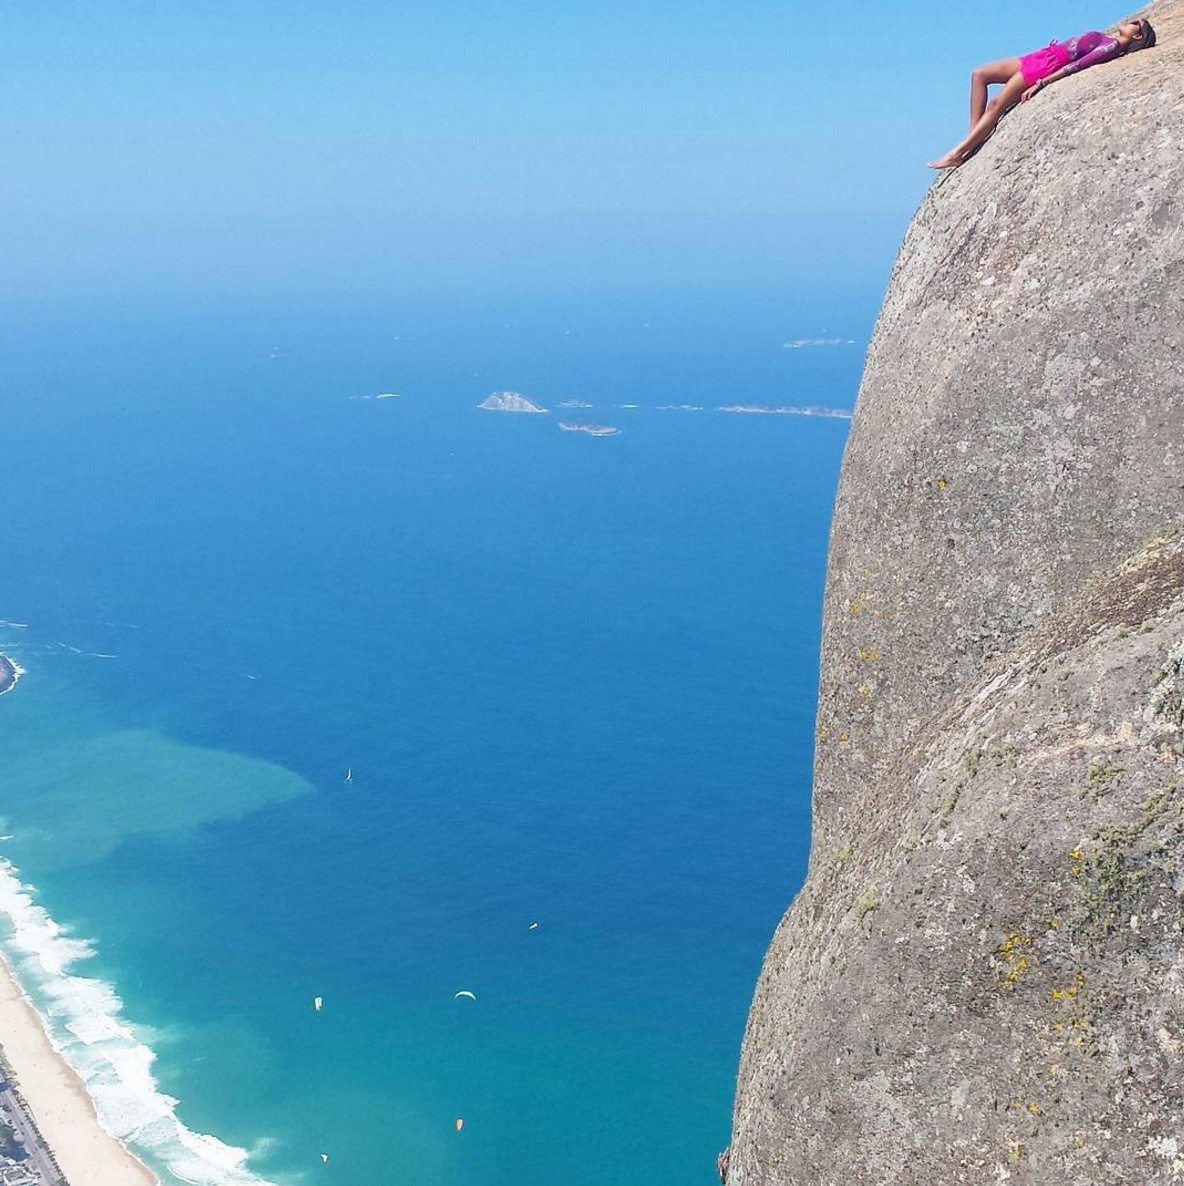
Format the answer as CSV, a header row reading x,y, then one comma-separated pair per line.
x,y
83,1017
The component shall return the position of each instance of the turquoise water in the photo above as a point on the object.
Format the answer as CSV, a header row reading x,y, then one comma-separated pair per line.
x,y
573,679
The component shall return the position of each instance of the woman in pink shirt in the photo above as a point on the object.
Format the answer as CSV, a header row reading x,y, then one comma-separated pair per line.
x,y
1024,77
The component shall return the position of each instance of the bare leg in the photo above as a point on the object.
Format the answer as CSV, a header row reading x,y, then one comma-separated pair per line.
x,y
1003,102
982,77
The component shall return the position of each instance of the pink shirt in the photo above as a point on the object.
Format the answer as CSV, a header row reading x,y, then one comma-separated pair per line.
x,y
1089,49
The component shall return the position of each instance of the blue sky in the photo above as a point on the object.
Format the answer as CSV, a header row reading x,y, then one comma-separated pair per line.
x,y
256,148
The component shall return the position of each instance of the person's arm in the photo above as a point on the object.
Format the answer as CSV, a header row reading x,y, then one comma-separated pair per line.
x,y
1110,48
1037,87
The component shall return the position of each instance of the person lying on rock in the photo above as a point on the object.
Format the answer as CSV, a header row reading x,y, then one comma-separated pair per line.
x,y
1028,75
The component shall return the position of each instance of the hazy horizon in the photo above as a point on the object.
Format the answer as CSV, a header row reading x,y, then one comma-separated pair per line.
x,y
244,154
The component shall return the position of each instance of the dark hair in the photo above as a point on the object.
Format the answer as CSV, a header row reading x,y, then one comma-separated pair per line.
x,y
1148,38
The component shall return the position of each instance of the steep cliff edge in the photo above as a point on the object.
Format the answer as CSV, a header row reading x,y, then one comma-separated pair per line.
x,y
983,977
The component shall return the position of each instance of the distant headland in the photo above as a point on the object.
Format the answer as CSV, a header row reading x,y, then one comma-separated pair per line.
x,y
594,430
509,401
762,410
9,674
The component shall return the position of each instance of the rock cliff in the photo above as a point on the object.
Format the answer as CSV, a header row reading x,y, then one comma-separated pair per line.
x,y
983,977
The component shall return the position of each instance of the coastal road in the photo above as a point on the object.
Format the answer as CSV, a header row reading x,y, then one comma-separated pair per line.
x,y
21,1120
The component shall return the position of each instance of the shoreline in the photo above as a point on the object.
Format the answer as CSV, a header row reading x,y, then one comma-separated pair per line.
x,y
10,673
56,1096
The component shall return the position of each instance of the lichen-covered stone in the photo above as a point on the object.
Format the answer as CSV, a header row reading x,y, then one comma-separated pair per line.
x,y
983,977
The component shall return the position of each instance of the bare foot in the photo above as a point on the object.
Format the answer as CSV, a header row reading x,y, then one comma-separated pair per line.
x,y
950,161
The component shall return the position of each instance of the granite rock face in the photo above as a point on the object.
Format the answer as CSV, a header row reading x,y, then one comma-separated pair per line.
x,y
983,977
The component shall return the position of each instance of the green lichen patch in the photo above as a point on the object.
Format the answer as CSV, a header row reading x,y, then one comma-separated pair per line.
x,y
869,902
1102,773
1124,866
1166,704
947,808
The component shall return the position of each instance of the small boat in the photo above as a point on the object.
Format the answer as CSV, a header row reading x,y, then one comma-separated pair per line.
x,y
349,774
317,1002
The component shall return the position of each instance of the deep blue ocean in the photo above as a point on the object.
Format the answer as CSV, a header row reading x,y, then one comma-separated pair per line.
x,y
572,677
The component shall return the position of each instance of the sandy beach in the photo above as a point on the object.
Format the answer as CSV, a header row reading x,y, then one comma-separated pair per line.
x,y
63,1111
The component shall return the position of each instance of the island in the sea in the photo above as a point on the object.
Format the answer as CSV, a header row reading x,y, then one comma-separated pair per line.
x,y
593,430
762,410
9,674
509,401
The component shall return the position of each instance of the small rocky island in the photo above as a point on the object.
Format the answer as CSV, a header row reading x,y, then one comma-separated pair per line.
x,y
9,674
594,430
509,401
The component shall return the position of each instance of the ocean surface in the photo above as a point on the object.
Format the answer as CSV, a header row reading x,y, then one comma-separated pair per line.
x,y
572,679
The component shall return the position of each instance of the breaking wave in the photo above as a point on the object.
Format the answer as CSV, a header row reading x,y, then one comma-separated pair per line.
x,y
83,1016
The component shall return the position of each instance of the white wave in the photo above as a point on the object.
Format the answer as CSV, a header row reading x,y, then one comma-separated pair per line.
x,y
84,1019
15,625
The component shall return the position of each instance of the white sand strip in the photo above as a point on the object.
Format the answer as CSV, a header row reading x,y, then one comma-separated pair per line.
x,y
87,1155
